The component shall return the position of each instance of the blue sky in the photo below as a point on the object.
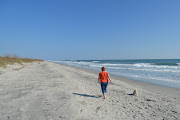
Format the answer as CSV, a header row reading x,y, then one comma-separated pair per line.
x,y
90,29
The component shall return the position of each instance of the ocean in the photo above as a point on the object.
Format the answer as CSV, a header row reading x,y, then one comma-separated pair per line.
x,y
164,72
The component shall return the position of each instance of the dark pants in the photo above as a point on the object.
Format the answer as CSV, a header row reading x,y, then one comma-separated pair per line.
x,y
104,86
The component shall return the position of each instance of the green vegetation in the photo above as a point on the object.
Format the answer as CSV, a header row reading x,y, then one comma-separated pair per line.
x,y
4,61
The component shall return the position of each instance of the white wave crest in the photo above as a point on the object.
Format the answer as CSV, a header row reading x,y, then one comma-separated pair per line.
x,y
95,61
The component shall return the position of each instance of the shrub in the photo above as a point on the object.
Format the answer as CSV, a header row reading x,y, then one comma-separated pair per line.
x,y
4,61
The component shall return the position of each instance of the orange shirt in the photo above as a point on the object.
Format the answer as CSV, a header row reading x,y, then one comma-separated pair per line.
x,y
103,76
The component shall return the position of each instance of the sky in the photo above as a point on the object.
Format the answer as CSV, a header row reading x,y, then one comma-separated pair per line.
x,y
90,29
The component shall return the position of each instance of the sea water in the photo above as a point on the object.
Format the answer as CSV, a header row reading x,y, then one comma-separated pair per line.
x,y
164,72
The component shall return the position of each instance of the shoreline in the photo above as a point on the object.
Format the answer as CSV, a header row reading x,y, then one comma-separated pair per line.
x,y
47,90
164,90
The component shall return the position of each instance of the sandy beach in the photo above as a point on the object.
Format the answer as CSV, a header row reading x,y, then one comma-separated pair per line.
x,y
50,91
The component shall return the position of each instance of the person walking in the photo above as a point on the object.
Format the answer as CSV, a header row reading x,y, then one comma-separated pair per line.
x,y
103,79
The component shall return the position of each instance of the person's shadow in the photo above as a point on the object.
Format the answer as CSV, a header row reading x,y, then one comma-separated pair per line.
x,y
85,95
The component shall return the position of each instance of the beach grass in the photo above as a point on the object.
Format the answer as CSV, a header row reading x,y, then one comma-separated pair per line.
x,y
10,60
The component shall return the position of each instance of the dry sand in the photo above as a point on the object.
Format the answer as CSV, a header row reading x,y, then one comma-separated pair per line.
x,y
49,91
